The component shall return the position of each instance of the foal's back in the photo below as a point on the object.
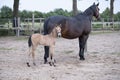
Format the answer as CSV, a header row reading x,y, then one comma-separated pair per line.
x,y
40,39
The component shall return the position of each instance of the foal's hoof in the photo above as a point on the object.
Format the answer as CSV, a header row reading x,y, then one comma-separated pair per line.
x,y
54,61
52,64
34,64
28,64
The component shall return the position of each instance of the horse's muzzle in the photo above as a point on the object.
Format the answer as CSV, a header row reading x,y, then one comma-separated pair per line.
x,y
98,17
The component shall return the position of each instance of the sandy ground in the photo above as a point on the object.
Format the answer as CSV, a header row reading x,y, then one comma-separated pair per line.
x,y
102,59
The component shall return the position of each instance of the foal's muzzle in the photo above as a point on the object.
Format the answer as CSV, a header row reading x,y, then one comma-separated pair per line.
x,y
59,34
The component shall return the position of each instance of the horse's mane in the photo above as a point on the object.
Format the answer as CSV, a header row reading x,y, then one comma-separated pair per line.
x,y
86,12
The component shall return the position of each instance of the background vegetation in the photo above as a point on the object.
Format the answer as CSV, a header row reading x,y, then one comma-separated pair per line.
x,y
6,12
6,15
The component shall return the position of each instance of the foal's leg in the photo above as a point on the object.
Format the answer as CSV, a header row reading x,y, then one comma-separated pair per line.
x,y
52,60
29,57
46,55
33,54
82,42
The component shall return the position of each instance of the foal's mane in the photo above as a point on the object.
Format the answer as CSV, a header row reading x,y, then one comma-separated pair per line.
x,y
53,32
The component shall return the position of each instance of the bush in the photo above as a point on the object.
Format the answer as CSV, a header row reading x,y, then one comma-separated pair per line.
x,y
5,32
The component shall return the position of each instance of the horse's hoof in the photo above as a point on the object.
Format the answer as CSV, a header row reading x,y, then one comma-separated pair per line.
x,y
82,58
28,64
45,61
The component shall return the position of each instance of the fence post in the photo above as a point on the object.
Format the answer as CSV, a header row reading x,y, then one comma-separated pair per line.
x,y
33,20
113,24
18,28
103,24
40,24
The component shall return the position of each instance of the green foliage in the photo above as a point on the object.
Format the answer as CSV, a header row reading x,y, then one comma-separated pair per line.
x,y
25,14
38,14
106,14
6,12
117,16
58,12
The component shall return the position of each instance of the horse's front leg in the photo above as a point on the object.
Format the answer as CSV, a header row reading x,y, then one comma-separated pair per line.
x,y
52,60
46,55
82,43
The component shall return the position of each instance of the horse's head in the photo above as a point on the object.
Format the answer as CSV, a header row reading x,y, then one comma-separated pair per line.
x,y
95,10
58,30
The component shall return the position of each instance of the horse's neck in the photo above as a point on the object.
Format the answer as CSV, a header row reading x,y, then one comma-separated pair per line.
x,y
88,12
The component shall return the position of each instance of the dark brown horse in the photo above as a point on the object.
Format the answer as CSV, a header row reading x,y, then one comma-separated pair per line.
x,y
78,26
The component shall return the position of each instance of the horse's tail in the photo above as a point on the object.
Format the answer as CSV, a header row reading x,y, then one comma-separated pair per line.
x,y
46,26
29,42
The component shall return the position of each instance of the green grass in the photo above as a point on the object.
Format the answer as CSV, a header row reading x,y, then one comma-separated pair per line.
x,y
7,49
68,52
101,32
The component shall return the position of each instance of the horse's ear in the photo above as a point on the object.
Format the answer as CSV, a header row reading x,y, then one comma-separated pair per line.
x,y
97,4
94,3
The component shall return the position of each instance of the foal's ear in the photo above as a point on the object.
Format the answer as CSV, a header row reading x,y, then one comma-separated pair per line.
x,y
97,4
60,25
56,25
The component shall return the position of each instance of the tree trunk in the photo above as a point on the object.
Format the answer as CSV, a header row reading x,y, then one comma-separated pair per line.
x,y
75,7
111,9
15,14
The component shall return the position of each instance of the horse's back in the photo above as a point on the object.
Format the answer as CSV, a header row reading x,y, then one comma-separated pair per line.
x,y
73,27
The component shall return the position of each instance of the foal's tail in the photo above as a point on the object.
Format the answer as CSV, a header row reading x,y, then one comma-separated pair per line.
x,y
29,42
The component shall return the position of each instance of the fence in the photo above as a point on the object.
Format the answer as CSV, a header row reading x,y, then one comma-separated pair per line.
x,y
28,26
25,26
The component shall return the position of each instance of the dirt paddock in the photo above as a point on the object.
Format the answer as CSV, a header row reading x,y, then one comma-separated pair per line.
x,y
102,59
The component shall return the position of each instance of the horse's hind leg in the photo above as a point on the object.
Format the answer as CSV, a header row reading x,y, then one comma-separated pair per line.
x,y
82,42
46,55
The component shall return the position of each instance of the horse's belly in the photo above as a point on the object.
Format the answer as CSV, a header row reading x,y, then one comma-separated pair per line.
x,y
70,36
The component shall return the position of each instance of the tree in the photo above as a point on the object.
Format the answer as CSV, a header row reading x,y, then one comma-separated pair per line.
x,y
111,8
6,12
106,14
26,14
15,13
117,16
38,14
75,11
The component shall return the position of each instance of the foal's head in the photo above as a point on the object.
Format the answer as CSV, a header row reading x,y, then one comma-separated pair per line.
x,y
58,30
